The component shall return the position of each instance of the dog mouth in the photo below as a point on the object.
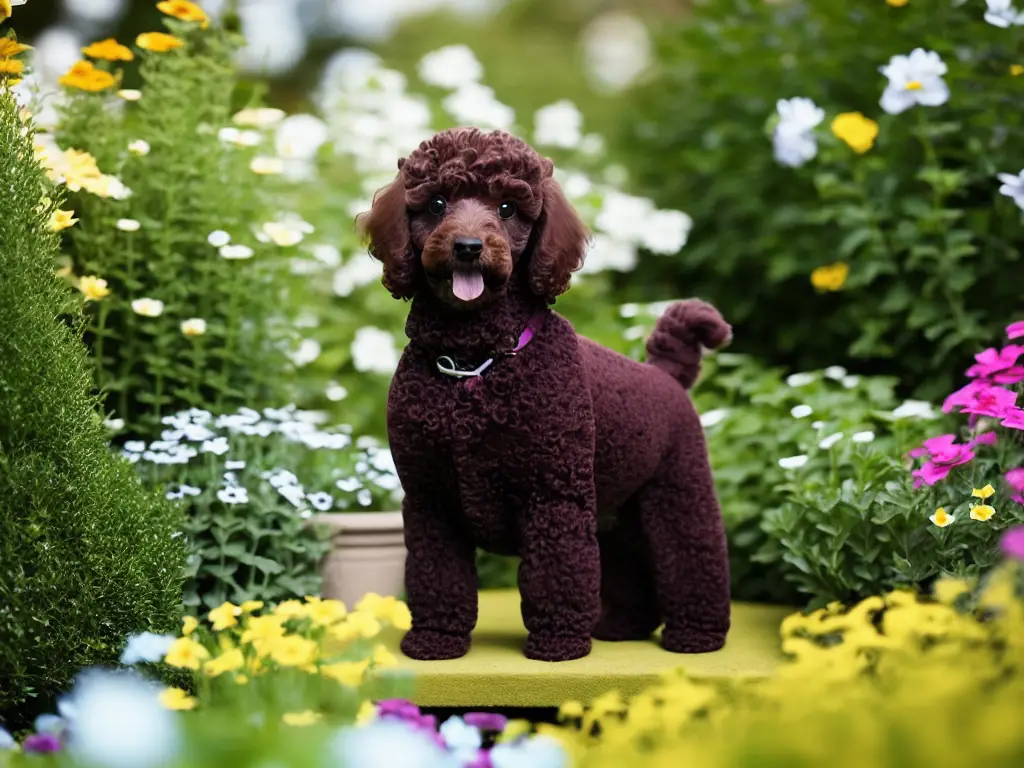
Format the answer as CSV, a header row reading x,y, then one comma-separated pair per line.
x,y
467,283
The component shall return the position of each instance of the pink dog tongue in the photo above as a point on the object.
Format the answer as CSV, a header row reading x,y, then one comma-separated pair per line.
x,y
467,285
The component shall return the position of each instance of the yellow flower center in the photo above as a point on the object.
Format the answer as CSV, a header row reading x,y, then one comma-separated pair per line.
x,y
914,85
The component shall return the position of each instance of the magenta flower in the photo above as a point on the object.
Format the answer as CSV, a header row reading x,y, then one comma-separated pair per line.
x,y
41,743
1015,330
982,398
943,453
999,366
985,438
486,721
1012,543
1014,418
1015,479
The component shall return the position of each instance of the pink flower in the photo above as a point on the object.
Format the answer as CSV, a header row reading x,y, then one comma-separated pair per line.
x,y
982,398
1015,479
944,453
999,366
1015,330
1014,418
1012,543
985,438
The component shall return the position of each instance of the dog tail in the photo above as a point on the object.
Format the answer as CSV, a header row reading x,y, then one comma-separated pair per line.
x,y
682,334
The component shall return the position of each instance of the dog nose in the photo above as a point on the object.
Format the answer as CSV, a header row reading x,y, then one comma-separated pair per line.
x,y
467,248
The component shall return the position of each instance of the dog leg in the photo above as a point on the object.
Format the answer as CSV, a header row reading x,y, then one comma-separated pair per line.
x,y
683,523
559,574
629,601
440,579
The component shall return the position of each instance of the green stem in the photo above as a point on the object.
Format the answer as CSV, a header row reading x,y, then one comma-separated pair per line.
x,y
101,325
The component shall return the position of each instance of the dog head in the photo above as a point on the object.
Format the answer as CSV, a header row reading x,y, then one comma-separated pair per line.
x,y
468,211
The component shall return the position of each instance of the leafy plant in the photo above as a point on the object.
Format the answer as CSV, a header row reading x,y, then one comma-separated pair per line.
x,y
249,521
898,218
87,555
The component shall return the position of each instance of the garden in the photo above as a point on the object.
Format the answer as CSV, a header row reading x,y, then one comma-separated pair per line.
x,y
202,553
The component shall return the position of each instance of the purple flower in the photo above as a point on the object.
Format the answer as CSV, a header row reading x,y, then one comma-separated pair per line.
x,y
486,721
398,708
41,742
1012,543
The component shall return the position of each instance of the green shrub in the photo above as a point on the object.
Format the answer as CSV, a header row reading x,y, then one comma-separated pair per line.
x,y
86,555
176,186
929,243
248,515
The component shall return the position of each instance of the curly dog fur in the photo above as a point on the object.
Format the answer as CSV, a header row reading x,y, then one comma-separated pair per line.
x,y
589,465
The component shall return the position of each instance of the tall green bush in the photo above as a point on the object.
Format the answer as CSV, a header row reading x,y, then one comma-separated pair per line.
x,y
86,555
931,247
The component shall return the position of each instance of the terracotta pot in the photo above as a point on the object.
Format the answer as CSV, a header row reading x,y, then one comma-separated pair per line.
x,y
368,555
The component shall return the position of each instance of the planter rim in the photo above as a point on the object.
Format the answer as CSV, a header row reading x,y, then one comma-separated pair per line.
x,y
360,521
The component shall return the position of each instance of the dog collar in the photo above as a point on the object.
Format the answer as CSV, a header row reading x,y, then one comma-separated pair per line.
x,y
449,367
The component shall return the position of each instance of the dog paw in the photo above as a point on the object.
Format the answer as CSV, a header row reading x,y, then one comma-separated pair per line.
x,y
428,645
692,640
555,648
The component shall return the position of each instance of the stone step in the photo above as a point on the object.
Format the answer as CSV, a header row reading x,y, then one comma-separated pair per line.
x,y
495,673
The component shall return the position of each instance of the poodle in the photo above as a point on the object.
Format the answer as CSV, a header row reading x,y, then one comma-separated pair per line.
x,y
513,434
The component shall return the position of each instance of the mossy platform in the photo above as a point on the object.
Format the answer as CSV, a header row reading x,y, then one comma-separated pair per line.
x,y
495,674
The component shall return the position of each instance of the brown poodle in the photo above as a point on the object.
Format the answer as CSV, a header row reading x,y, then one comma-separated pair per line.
x,y
513,434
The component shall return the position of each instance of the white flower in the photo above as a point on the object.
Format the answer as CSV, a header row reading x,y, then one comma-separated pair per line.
x,y
294,493
835,372
358,271
286,233
609,253
6,740
793,141
475,104
259,117
800,379
308,351
1001,13
328,254
388,743
793,462
146,647
914,409
450,67
863,437
817,424
831,440
115,425
194,326
801,411
335,392
135,446
914,79
1013,187
624,216
321,501
665,232
374,351
130,94
139,147
267,166
119,722
218,238
236,464
461,738
240,138
217,446
196,432
349,484
540,751
558,125
364,498
233,495
128,225
299,137
850,381
148,307
711,418
237,251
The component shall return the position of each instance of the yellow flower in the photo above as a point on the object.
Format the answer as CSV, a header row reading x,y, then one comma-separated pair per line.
x,y
228,661
983,493
1017,70
857,131
84,76
94,288
367,712
241,679
941,518
11,67
947,590
290,609
831,277
5,10
175,698
358,624
194,326
189,624
158,42
384,658
62,220
109,50
263,628
309,717
896,3
10,48
389,609
294,651
186,653
251,605
323,613
225,616
348,673
186,11
982,512
570,710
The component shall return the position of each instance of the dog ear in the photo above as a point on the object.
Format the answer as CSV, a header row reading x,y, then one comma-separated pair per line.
x,y
561,244
385,228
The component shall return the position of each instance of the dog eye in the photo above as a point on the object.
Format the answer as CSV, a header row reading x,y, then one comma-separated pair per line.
x,y
507,210
437,205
